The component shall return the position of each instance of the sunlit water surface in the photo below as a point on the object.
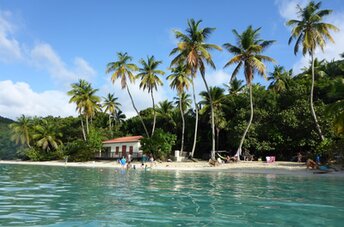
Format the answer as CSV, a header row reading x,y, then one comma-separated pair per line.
x,y
66,196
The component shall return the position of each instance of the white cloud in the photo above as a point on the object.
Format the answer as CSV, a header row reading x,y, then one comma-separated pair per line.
x,y
44,57
331,51
288,8
9,47
18,98
41,55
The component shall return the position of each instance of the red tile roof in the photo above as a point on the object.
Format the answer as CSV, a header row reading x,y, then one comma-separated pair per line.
x,y
125,139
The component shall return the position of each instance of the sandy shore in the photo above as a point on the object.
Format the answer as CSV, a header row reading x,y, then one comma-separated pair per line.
x,y
290,168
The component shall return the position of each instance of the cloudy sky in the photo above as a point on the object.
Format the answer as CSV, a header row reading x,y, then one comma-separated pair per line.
x,y
47,45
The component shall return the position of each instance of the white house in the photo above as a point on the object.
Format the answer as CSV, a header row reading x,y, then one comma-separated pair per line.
x,y
123,146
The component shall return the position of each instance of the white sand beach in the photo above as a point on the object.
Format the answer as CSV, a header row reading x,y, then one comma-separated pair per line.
x,y
286,168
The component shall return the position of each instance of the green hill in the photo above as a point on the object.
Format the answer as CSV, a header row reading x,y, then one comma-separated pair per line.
x,y
7,147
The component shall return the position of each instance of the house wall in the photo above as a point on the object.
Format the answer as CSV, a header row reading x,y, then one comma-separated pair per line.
x,y
136,153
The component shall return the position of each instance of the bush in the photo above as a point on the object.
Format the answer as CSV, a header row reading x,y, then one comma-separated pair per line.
x,y
159,145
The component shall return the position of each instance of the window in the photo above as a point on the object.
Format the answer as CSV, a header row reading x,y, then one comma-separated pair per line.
x,y
117,150
131,150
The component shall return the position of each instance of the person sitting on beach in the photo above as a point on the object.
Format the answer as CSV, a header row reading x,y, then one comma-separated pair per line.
x,y
311,164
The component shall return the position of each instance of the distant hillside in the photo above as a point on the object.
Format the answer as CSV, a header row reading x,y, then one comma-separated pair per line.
x,y
5,120
7,147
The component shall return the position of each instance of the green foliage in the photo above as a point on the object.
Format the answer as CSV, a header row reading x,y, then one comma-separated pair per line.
x,y
7,147
159,145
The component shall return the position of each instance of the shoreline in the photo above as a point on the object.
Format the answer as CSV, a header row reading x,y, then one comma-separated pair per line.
x,y
245,167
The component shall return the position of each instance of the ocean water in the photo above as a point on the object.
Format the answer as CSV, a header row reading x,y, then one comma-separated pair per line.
x,y
67,196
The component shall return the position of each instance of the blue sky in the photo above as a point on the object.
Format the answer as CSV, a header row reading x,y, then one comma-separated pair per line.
x,y
47,45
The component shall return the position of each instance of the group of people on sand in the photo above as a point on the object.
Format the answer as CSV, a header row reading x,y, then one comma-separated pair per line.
x,y
126,162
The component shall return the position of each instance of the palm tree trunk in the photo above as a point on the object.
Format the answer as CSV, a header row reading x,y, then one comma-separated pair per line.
x,y
110,125
212,119
137,112
183,122
87,128
238,153
154,113
196,121
312,105
217,138
83,128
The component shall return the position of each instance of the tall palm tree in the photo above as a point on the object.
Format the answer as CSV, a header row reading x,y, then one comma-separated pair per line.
x,y
122,69
311,32
76,93
46,135
112,107
150,80
21,131
248,54
280,78
194,53
180,81
217,95
87,103
91,104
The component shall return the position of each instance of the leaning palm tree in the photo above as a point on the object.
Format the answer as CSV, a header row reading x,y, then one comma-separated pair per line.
x,y
194,53
150,80
21,131
180,81
122,69
248,54
111,107
311,32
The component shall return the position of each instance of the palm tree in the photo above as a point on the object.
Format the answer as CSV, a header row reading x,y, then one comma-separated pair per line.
x,y
76,93
247,54
235,86
280,78
91,105
46,135
180,81
122,69
150,80
112,107
87,103
217,96
194,53
119,117
21,130
311,32
165,110
336,109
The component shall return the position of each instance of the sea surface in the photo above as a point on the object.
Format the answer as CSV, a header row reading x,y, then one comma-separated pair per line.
x,y
72,196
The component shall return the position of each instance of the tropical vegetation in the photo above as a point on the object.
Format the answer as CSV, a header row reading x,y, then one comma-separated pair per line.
x,y
281,116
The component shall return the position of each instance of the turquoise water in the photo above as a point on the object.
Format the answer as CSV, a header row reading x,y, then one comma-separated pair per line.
x,y
66,196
